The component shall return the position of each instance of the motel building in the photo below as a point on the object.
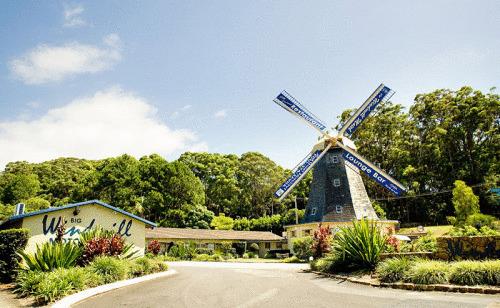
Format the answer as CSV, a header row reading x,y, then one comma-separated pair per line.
x,y
79,217
82,216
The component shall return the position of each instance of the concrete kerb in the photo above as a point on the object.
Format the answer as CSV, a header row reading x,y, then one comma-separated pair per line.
x,y
80,296
417,287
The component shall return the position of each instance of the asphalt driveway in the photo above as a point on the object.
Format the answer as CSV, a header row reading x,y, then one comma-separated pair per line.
x,y
200,284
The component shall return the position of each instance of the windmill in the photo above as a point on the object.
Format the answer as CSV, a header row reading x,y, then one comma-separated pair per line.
x,y
337,190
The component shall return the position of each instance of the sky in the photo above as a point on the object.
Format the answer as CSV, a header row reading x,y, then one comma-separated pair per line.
x,y
95,79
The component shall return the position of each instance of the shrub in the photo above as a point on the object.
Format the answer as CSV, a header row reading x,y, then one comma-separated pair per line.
x,y
144,266
154,247
425,243
110,269
50,256
479,220
302,247
254,247
464,200
104,244
359,244
492,272
428,272
206,251
205,257
468,273
292,259
28,281
184,251
394,269
321,241
225,248
49,286
11,241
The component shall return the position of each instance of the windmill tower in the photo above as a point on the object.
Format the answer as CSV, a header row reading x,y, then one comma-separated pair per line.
x,y
337,190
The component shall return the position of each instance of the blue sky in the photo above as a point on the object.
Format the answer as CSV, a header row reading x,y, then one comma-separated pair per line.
x,y
99,78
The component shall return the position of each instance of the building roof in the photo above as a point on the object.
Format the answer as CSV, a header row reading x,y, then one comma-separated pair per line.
x,y
68,206
204,234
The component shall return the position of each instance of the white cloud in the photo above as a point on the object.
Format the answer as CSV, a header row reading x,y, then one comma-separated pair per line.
x,y
72,16
47,63
220,114
109,123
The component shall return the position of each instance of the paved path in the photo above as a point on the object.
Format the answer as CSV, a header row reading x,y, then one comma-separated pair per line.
x,y
199,284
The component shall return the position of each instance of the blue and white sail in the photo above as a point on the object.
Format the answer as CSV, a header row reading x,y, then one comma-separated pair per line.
x,y
290,104
381,94
300,171
372,171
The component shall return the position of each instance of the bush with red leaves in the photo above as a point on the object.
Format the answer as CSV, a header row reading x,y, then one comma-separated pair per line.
x,y
321,241
393,242
102,246
154,247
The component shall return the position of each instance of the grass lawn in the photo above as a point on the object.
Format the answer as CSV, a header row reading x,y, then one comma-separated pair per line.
x,y
433,230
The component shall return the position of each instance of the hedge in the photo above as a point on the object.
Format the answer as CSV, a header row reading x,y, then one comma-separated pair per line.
x,y
11,241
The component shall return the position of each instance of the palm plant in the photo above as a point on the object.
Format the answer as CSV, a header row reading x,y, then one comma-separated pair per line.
x,y
360,244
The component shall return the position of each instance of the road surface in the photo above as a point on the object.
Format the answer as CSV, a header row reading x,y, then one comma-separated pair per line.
x,y
200,284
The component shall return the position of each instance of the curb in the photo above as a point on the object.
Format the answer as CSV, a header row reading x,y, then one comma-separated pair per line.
x,y
417,287
82,295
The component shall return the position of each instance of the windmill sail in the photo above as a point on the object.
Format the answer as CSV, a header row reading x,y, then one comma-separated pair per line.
x,y
381,94
372,171
300,171
290,104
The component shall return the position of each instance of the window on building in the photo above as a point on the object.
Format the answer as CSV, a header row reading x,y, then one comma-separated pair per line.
x,y
279,245
313,211
307,232
338,208
268,245
335,159
336,182
292,234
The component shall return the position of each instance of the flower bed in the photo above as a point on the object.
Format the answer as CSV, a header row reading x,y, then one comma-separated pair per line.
x,y
475,247
47,287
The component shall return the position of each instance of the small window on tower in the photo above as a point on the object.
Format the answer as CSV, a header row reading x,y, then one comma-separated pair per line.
x,y
338,209
336,182
335,159
313,211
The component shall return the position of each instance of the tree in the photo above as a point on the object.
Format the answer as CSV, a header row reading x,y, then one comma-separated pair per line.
x,y
464,201
258,178
19,187
222,222
36,204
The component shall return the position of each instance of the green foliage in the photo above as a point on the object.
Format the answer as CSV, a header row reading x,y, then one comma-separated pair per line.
x,y
51,255
425,243
468,273
36,204
492,272
360,244
479,220
206,257
394,269
11,241
428,272
254,247
289,218
464,201
302,247
242,224
20,187
292,259
183,251
144,266
46,287
472,231
109,268
222,222
379,210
